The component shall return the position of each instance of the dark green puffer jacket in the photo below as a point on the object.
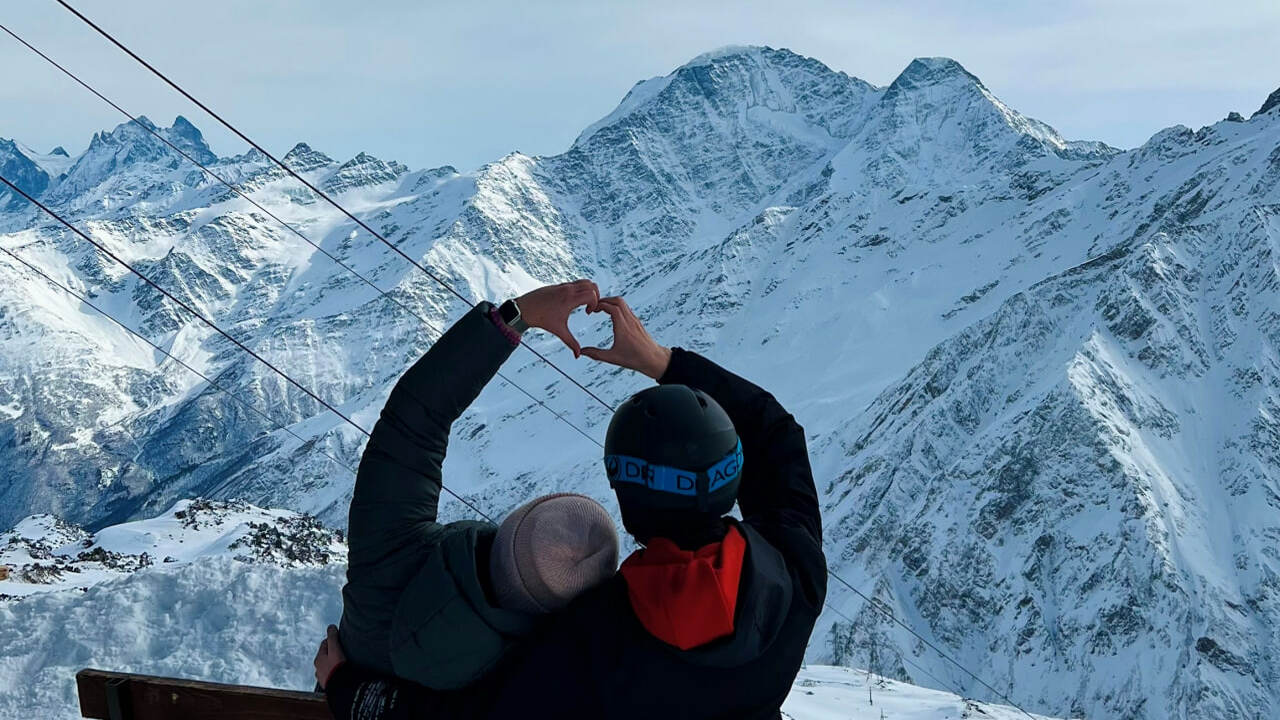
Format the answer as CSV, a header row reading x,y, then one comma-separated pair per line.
x,y
415,604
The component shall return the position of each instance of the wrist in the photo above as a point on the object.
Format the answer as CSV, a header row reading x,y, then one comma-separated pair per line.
x,y
328,679
512,313
657,366
507,331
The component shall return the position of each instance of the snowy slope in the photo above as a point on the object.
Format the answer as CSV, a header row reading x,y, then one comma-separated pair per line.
x,y
1039,376
221,615
46,554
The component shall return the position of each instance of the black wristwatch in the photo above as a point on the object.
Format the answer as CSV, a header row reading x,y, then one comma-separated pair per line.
x,y
510,313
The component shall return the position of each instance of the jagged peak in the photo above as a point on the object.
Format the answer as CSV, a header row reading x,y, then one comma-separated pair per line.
x,y
930,71
1272,102
184,128
302,158
728,51
753,72
140,135
361,158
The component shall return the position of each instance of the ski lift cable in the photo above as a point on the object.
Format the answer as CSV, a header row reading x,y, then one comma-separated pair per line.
x,y
949,687
275,217
180,303
922,639
258,411
319,193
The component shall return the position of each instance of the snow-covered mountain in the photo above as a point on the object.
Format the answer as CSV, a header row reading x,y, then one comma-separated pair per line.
x,y
242,595
1040,376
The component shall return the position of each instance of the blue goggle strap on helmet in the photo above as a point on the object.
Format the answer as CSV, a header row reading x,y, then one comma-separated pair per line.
x,y
663,478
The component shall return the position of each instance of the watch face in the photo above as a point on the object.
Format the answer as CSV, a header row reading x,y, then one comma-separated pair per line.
x,y
509,311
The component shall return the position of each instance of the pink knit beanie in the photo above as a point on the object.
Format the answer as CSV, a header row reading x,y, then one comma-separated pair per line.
x,y
550,550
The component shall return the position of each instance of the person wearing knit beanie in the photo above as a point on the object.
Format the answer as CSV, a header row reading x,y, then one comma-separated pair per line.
x,y
550,550
442,604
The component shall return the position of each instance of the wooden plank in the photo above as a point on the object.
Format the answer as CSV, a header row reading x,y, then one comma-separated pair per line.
x,y
159,698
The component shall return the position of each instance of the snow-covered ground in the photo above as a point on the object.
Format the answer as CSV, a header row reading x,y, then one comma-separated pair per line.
x,y
44,554
824,692
242,607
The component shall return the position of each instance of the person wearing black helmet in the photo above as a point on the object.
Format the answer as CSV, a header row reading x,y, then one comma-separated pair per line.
x,y
711,617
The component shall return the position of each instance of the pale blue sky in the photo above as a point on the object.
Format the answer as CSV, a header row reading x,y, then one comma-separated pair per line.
x,y
464,83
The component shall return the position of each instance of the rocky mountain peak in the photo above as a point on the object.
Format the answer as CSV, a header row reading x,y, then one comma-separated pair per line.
x,y
186,136
361,171
130,144
730,53
725,83
59,151
22,171
1272,102
926,71
303,158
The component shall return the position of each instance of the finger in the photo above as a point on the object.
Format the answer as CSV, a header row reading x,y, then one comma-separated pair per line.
x,y
613,310
568,339
601,354
590,291
626,309
333,635
618,304
589,296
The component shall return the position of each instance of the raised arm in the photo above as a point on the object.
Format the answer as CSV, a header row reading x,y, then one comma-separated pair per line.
x,y
398,484
777,494
777,482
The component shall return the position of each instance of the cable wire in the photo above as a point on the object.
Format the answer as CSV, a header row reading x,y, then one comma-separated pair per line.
x,y
180,303
275,217
948,686
319,193
921,638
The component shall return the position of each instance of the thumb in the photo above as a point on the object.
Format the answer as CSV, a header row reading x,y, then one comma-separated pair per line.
x,y
599,354
332,634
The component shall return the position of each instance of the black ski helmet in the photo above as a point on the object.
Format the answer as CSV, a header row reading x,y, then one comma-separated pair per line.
x,y
673,448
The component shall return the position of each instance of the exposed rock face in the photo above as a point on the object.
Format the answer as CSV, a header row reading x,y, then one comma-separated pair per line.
x,y
1273,101
1040,377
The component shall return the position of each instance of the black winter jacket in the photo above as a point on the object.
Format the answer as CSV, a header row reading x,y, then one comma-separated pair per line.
x,y
595,659
415,603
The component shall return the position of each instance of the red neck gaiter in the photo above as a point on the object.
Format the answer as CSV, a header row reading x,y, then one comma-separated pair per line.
x,y
684,598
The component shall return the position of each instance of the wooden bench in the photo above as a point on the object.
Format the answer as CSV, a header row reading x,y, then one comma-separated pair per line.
x,y
124,696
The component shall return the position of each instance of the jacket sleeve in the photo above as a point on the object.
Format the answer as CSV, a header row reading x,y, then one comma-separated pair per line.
x,y
353,693
398,484
777,495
